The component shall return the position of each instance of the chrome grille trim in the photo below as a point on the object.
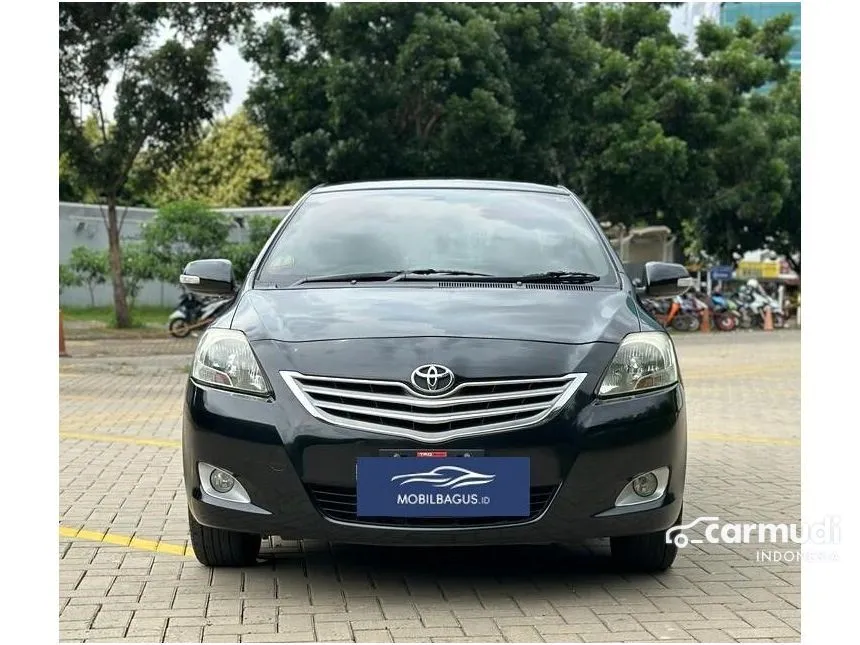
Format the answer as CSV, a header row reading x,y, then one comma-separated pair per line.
x,y
339,401
420,401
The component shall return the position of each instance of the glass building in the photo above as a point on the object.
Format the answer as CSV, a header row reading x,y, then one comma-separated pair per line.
x,y
759,12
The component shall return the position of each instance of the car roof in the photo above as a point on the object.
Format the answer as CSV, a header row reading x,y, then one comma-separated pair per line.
x,y
468,184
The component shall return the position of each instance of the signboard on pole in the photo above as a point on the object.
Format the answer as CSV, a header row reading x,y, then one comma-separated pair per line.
x,y
721,272
767,270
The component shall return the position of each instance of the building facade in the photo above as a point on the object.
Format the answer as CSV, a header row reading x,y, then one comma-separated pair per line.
x,y
686,18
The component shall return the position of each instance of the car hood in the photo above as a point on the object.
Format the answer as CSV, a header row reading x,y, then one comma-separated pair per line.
x,y
355,312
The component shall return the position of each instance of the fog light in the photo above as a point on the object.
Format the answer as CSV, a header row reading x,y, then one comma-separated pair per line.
x,y
644,485
221,481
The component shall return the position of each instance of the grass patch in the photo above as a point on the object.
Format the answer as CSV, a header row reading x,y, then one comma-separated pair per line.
x,y
140,316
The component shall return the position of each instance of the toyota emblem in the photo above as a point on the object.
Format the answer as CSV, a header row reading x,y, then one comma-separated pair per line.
x,y
432,379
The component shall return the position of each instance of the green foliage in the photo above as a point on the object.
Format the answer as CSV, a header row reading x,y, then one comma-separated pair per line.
x,y
181,232
786,129
68,278
138,267
90,267
231,166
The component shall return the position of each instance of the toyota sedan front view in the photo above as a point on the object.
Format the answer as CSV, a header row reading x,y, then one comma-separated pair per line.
x,y
435,363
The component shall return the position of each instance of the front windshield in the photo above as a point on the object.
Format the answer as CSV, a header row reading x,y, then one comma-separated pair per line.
x,y
497,232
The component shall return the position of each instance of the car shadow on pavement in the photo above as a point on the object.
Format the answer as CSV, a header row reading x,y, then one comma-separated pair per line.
x,y
588,560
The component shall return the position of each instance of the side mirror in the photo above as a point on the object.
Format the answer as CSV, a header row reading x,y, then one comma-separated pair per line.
x,y
209,277
665,280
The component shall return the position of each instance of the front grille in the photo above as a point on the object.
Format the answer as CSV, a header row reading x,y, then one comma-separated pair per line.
x,y
339,503
472,407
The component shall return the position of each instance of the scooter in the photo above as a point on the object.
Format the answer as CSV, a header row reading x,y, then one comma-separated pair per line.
x,y
193,313
689,315
753,304
663,311
726,315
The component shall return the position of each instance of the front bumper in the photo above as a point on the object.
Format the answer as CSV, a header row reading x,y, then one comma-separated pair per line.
x,y
300,472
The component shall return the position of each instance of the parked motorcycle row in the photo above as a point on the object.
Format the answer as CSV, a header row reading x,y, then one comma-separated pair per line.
x,y
194,313
743,309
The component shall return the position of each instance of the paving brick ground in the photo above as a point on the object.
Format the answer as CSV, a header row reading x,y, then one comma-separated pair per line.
x,y
124,574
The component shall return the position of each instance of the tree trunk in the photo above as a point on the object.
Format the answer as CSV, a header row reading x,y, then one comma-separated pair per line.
x,y
123,319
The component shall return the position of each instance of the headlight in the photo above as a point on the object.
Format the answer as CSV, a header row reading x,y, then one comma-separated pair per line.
x,y
644,361
224,358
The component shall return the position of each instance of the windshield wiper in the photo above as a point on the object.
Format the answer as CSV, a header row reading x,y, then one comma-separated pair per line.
x,y
560,276
410,273
347,277
382,276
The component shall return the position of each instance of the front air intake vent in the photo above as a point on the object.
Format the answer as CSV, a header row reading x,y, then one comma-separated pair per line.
x,y
553,286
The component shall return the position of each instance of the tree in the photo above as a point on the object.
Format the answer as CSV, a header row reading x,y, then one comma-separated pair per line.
x,y
741,144
230,166
181,232
786,128
138,267
68,278
163,94
537,92
368,90
90,267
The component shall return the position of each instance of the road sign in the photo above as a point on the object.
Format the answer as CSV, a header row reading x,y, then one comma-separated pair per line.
x,y
722,272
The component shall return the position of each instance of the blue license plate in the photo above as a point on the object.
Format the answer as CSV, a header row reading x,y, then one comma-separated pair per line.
x,y
443,487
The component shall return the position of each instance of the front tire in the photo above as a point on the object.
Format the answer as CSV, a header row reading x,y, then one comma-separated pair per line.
x,y
178,328
726,322
646,553
222,548
682,322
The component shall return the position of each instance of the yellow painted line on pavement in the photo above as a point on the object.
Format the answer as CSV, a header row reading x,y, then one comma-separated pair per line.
x,y
153,546
111,438
738,438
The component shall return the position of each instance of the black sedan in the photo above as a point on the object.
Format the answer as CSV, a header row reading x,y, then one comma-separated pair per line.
x,y
435,363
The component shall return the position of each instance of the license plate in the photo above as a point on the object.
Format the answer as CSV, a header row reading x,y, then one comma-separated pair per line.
x,y
443,487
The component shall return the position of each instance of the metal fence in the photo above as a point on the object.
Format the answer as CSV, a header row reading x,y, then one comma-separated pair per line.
x,y
83,225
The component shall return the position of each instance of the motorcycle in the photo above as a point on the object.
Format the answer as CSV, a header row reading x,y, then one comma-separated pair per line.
x,y
663,311
193,313
689,317
726,314
752,303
